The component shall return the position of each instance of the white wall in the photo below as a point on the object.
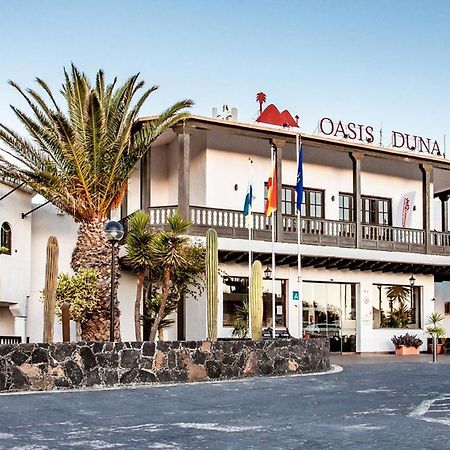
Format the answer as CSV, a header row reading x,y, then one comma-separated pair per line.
x,y
15,268
47,222
160,174
6,322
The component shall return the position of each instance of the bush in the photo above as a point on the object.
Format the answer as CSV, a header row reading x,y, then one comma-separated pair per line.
x,y
408,340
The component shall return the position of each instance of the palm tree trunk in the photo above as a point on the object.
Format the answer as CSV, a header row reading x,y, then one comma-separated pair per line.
x,y
162,307
137,306
92,250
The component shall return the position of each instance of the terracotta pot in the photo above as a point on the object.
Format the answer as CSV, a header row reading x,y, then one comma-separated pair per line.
x,y
440,348
403,350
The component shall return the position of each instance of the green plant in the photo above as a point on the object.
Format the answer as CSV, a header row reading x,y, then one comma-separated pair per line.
x,y
49,293
138,258
3,250
240,324
256,301
408,340
176,264
434,329
79,291
212,271
79,155
153,304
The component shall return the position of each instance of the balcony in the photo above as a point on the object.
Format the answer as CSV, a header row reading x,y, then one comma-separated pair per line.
x,y
314,231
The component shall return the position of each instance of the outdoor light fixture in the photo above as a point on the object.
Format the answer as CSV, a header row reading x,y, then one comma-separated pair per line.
x,y
114,233
268,273
412,280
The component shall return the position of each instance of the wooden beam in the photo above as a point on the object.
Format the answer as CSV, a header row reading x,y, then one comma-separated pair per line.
x,y
356,158
184,157
427,179
146,180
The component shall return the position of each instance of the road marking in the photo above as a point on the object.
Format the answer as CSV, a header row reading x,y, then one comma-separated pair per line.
x,y
428,408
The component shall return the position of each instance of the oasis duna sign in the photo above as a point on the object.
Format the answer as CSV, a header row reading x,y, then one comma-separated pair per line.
x,y
366,133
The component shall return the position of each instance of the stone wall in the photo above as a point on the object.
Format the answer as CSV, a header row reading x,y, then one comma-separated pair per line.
x,y
84,364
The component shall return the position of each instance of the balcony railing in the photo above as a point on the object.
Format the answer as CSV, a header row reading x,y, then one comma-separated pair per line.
x,y
10,339
315,231
383,237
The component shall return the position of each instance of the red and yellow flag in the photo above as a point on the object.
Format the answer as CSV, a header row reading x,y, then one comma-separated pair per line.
x,y
271,201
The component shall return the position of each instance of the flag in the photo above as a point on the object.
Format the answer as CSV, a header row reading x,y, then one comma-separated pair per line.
x,y
248,206
299,185
271,201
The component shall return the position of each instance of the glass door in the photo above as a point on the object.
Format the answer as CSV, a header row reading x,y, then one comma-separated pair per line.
x,y
329,310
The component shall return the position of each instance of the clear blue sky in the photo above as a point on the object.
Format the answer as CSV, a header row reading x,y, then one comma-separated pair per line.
x,y
363,61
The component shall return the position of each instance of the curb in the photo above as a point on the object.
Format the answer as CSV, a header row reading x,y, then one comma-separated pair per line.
x,y
334,369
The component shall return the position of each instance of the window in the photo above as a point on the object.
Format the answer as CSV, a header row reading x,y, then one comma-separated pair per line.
x,y
312,205
235,292
288,201
447,308
5,239
346,207
396,306
376,211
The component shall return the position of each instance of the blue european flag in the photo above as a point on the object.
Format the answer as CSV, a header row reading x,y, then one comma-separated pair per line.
x,y
299,185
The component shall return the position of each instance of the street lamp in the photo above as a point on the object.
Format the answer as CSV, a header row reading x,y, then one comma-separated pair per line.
x,y
268,273
412,281
114,233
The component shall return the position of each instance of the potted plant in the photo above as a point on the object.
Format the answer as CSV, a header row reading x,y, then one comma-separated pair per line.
x,y
436,331
407,344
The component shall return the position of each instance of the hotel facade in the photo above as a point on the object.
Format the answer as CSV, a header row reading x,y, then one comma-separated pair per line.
x,y
374,227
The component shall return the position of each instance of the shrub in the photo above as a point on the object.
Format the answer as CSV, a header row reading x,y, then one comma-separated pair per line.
x,y
408,340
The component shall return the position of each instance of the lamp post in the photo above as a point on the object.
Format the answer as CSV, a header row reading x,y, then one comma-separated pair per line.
x,y
412,281
114,233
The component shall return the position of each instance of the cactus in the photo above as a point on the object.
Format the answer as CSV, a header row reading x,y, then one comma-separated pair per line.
x,y
212,269
65,321
256,301
51,280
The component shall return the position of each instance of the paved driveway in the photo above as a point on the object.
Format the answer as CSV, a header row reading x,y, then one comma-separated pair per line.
x,y
375,402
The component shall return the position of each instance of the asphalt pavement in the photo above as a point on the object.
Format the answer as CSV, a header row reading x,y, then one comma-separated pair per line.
x,y
376,402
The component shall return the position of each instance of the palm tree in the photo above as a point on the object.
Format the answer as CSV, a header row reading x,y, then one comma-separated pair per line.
x,y
80,157
175,262
260,98
153,304
139,258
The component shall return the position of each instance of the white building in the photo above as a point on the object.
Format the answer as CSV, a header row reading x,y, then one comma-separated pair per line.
x,y
360,243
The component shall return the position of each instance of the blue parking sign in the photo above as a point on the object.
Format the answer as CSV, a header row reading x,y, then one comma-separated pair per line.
x,y
294,295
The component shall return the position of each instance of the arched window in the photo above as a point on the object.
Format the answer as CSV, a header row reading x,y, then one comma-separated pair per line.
x,y
6,238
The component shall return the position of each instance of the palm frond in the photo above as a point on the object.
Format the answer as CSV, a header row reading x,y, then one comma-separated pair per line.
x,y
82,153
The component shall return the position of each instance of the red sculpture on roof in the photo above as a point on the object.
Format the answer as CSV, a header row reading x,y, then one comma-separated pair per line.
x,y
272,114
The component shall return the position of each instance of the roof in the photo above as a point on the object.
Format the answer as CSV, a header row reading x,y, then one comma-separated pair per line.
x,y
21,187
289,134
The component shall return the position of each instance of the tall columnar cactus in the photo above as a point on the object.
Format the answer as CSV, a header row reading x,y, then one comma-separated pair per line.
x,y
51,281
256,301
212,273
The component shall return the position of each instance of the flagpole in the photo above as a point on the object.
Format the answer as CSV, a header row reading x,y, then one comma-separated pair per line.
x,y
299,258
273,277
250,251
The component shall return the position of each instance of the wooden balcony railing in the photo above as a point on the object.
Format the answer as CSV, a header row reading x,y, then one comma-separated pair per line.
x,y
316,231
393,238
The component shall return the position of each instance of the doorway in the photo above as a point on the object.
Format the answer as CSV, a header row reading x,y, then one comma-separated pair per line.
x,y
329,310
